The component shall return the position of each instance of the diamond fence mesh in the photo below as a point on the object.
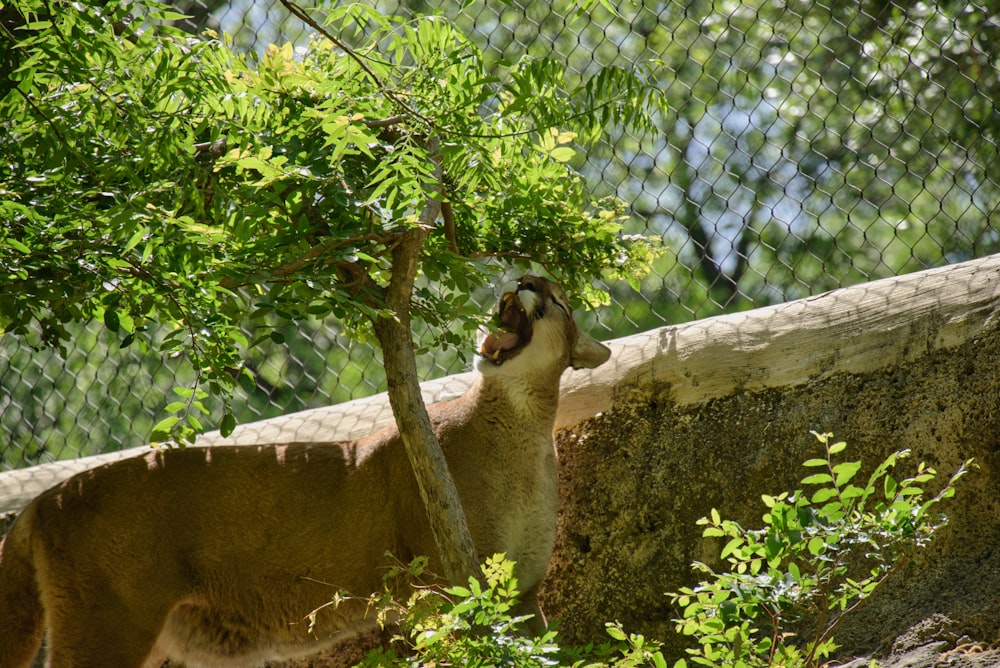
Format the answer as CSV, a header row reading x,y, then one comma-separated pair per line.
x,y
810,146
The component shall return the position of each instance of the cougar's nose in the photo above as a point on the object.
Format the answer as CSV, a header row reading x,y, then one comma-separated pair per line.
x,y
530,283
528,295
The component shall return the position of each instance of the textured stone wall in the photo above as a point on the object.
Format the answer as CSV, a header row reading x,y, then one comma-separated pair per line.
x,y
637,478
920,372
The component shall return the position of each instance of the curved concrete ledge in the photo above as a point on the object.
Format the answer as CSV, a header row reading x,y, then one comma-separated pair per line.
x,y
340,422
851,330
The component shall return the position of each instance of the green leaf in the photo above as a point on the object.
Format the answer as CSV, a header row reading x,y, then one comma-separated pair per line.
x,y
823,495
111,320
17,245
851,492
562,154
166,16
615,631
832,511
845,472
773,547
731,547
227,425
818,479
161,431
889,486
134,240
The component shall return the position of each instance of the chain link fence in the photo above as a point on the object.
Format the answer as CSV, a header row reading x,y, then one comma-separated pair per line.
x,y
810,145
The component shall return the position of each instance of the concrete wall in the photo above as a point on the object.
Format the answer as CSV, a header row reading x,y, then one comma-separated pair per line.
x,y
712,414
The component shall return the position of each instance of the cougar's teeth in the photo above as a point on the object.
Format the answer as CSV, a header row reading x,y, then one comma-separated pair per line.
x,y
496,343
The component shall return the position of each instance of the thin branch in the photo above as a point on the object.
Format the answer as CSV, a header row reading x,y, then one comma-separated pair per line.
x,y
298,264
437,489
213,149
775,629
527,131
448,215
303,16
385,122
439,204
828,632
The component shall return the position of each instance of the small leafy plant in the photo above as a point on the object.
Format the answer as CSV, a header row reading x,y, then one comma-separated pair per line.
x,y
820,555
476,626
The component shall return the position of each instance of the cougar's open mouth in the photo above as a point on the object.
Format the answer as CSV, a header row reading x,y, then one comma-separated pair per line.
x,y
514,332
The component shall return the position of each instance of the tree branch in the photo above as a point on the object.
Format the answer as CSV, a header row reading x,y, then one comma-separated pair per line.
x,y
437,489
448,215
447,520
310,257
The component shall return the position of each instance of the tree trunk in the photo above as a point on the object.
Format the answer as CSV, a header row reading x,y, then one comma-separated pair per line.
x,y
437,489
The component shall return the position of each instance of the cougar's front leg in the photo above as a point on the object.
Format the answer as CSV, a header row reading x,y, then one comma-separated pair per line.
x,y
536,624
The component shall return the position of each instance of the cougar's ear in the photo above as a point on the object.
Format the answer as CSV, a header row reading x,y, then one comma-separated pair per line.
x,y
588,353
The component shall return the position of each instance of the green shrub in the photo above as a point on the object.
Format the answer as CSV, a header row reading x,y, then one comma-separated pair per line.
x,y
474,626
820,555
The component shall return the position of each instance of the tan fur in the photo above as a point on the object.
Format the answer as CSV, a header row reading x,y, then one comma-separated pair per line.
x,y
215,556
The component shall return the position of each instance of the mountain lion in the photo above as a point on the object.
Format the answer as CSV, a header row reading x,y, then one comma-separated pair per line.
x,y
216,556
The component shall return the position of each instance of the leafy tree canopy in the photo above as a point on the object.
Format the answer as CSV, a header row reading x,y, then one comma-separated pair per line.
x,y
150,177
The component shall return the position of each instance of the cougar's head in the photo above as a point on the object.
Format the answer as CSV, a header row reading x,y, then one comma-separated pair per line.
x,y
536,329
